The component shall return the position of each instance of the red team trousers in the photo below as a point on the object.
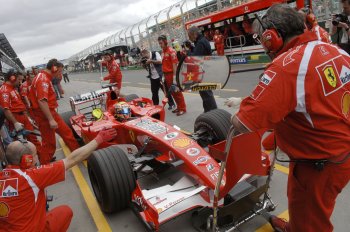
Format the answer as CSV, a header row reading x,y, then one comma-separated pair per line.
x,y
48,135
312,194
178,96
220,49
58,219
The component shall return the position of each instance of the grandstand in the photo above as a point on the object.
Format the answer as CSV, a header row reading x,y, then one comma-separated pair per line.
x,y
8,57
171,22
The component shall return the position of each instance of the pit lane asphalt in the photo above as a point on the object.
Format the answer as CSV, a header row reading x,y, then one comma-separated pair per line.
x,y
69,193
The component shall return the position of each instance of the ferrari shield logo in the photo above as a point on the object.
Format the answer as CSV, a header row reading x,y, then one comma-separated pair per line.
x,y
132,135
330,76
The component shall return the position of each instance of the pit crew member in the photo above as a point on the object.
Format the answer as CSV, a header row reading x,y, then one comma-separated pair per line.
x,y
14,108
169,63
219,40
23,200
44,104
152,62
304,96
114,73
24,89
202,48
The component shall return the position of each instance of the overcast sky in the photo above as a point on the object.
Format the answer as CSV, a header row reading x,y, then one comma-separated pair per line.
x,y
42,29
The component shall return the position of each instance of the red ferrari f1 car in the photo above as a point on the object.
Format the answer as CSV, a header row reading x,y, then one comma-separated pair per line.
x,y
221,178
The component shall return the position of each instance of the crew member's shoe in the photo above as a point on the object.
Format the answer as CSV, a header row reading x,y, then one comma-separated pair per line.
x,y
279,224
175,111
180,112
171,107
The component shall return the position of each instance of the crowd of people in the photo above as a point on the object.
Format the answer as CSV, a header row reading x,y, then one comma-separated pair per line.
x,y
303,95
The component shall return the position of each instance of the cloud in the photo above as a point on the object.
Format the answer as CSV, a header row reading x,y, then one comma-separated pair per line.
x,y
39,30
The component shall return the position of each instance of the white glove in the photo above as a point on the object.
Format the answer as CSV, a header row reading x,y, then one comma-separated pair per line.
x,y
18,126
233,101
99,61
101,78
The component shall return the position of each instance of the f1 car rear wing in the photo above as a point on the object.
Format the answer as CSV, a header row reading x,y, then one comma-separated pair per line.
x,y
97,98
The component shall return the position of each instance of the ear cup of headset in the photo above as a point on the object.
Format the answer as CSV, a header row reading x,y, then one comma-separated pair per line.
x,y
27,161
272,40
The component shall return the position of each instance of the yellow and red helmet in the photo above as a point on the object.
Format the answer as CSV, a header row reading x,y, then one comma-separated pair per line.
x,y
122,111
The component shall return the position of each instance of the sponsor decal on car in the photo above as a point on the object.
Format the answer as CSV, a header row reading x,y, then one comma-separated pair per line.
x,y
201,160
140,202
9,187
181,143
192,151
171,135
210,167
132,135
153,127
4,210
214,176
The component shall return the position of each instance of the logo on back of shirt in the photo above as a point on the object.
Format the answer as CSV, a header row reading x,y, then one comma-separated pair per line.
x,y
330,74
4,210
345,104
9,187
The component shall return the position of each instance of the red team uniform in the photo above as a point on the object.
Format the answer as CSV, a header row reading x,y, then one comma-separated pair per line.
x,y
219,40
308,105
42,89
23,199
10,99
115,75
168,59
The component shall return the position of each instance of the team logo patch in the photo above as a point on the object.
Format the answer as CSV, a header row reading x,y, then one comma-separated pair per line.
x,y
6,97
9,187
4,210
345,75
45,87
193,151
267,77
345,104
257,92
201,160
171,136
181,143
330,76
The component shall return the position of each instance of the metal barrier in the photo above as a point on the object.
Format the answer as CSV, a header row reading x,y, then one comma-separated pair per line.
x,y
242,42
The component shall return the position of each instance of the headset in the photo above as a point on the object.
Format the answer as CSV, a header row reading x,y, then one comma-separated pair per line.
x,y
271,38
26,160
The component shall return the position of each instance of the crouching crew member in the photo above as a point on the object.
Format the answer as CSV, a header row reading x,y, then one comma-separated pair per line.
x,y
14,108
304,95
114,73
44,104
23,200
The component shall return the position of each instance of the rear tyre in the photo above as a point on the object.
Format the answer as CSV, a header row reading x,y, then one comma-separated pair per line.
x,y
213,125
66,116
130,97
112,178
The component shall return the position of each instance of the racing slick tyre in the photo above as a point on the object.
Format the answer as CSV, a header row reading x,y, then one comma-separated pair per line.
x,y
130,97
213,126
112,178
66,118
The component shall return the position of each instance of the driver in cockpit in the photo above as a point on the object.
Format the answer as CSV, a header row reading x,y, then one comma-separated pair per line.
x,y
122,111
